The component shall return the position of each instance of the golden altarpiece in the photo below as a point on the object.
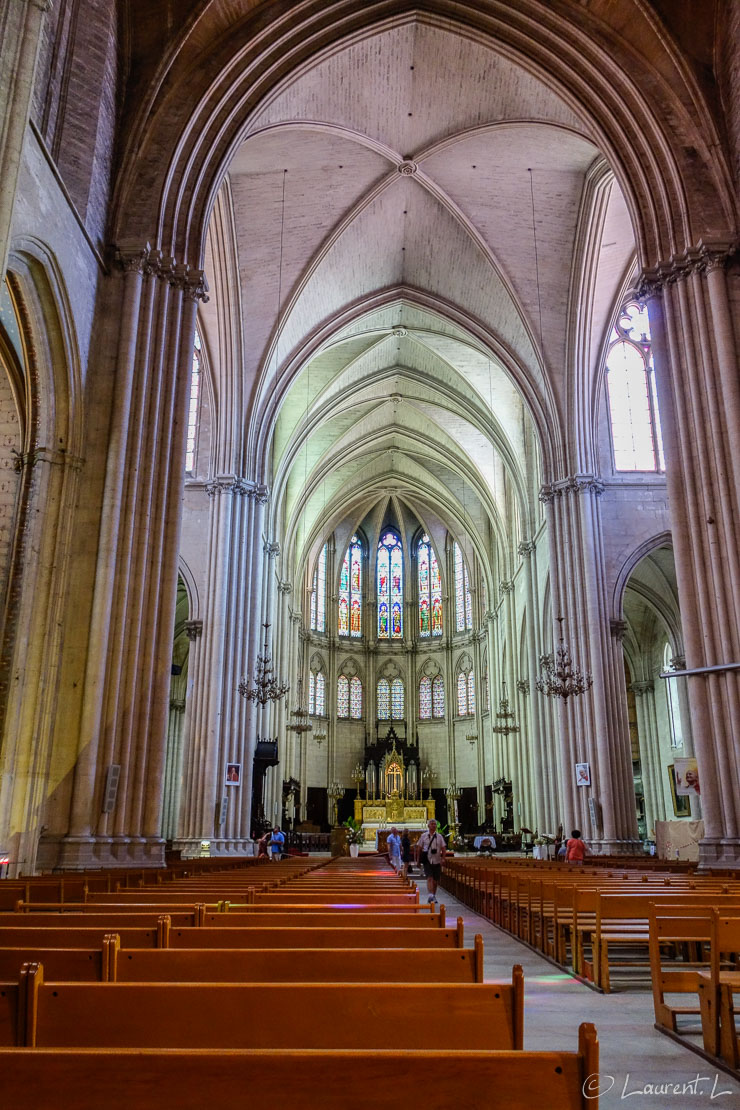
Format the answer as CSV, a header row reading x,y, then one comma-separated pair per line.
x,y
393,789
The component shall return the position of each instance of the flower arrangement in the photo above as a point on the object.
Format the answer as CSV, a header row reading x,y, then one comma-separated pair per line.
x,y
355,834
458,843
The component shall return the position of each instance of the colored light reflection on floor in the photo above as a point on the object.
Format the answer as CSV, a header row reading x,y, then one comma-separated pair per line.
x,y
557,977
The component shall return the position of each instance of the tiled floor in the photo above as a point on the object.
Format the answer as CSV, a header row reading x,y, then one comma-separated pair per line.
x,y
635,1058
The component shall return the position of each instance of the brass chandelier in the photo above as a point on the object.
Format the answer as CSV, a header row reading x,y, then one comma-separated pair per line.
x,y
266,686
560,677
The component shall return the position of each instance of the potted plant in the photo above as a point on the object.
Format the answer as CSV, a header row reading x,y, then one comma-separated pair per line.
x,y
355,836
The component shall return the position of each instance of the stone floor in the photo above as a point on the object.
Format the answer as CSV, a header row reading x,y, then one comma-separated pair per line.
x,y
641,1069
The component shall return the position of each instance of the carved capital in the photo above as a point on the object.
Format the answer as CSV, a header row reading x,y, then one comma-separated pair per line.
x,y
133,259
193,629
640,688
285,587
226,483
177,705
271,550
678,663
526,547
142,258
618,629
703,258
578,483
523,686
506,586
259,493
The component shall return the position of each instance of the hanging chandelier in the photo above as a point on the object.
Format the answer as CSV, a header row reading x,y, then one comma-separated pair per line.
x,y
560,677
299,722
505,716
266,686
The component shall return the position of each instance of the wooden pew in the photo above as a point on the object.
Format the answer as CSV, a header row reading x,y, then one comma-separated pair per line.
x,y
75,964
481,1016
292,937
317,917
119,1079
302,965
137,916
85,937
717,986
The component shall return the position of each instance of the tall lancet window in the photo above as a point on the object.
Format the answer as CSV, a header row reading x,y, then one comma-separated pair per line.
x,y
390,588
430,590
463,600
350,591
318,594
633,402
192,434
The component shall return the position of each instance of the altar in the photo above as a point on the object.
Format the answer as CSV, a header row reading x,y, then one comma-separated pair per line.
x,y
391,801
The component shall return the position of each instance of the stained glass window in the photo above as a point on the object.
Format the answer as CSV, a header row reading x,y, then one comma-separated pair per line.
x,y
438,697
430,590
397,699
350,591
320,694
390,588
674,705
342,696
318,594
633,404
463,600
425,699
384,700
311,693
465,694
355,699
462,695
488,692
192,433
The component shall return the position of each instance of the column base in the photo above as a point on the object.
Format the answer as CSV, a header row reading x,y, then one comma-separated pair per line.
x,y
191,847
616,847
94,853
716,853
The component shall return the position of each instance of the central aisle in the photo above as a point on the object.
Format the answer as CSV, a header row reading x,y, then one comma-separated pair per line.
x,y
634,1054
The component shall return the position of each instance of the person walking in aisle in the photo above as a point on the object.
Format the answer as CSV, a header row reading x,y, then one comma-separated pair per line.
x,y
430,849
394,849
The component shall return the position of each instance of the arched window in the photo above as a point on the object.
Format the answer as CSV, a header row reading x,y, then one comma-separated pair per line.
x,y
350,591
438,697
430,590
192,434
463,600
390,588
397,699
674,706
318,594
425,699
317,694
633,402
384,700
342,696
355,699
465,693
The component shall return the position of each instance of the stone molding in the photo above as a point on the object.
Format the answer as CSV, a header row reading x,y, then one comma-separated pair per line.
x,y
640,688
618,629
143,259
578,483
58,457
407,168
237,486
526,547
285,587
177,705
678,663
523,686
271,549
506,586
703,258
193,629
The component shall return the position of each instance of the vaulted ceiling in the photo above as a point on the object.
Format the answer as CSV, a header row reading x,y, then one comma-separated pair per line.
x,y
429,249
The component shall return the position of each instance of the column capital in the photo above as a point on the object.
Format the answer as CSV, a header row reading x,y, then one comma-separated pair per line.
x,y
285,587
193,629
523,686
702,258
271,549
640,688
230,483
142,258
506,586
618,629
577,483
526,547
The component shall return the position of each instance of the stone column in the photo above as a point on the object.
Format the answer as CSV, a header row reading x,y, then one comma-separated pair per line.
x,y
593,726
21,23
126,685
536,737
693,313
222,723
647,730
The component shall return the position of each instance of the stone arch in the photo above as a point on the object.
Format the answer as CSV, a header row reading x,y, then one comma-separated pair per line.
x,y
663,539
189,121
